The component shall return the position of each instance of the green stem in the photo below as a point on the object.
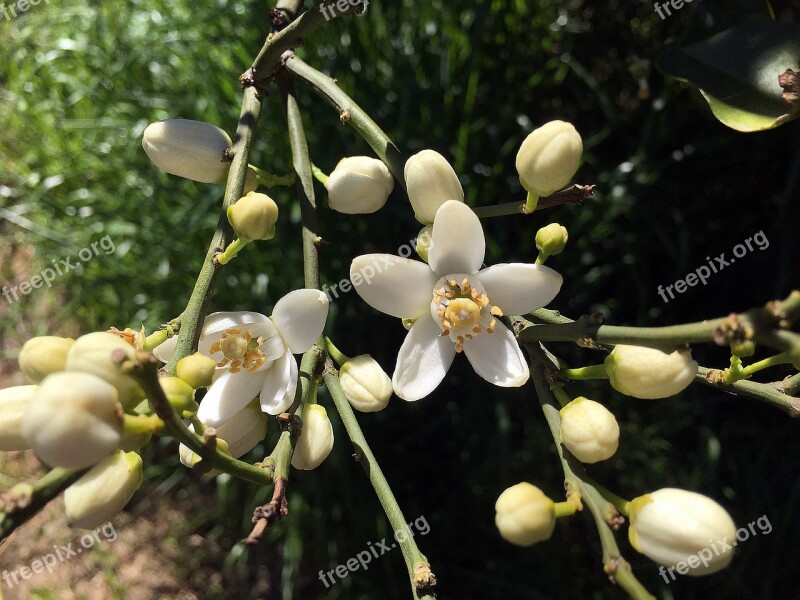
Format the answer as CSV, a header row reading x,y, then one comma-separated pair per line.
x,y
319,175
778,359
136,424
270,180
590,372
530,203
562,396
541,258
791,386
575,194
565,509
231,251
334,352
769,393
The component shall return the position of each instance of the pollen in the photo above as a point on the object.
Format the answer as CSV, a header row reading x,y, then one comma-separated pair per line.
x,y
239,350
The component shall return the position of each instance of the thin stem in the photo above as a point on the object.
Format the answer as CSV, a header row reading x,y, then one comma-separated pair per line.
x,y
530,203
269,180
335,353
320,175
574,194
778,359
590,372
791,386
562,396
231,251
769,393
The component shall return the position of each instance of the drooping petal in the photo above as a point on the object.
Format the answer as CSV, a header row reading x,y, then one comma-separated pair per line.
x,y
278,391
497,357
228,395
164,352
397,286
220,321
457,242
423,360
300,318
517,288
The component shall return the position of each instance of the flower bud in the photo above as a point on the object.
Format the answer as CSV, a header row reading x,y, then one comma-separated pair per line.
x,y
190,459
430,182
549,157
197,370
671,526
316,439
104,491
13,402
423,242
191,149
551,239
43,355
179,393
91,353
253,217
133,442
359,185
589,430
649,373
524,515
74,420
244,430
366,385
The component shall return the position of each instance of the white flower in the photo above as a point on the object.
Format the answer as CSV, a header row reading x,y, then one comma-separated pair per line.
x,y
454,306
254,354
648,373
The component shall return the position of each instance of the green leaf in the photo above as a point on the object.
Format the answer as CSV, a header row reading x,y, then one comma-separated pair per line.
x,y
737,72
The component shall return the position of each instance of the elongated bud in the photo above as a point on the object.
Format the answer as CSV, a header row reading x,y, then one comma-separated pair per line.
x,y
13,402
649,373
103,492
551,239
682,529
316,439
179,393
423,241
190,459
549,157
430,182
244,430
191,149
253,217
92,353
525,515
197,370
359,185
589,430
43,355
366,385
74,420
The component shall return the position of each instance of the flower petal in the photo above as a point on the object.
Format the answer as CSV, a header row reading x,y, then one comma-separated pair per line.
x,y
300,318
278,391
457,242
164,351
220,321
497,357
423,360
518,288
228,395
397,286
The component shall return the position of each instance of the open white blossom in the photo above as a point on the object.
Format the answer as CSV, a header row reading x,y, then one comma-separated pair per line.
x,y
454,306
254,354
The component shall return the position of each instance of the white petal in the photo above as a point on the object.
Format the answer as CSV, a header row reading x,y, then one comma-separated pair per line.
x,y
279,387
423,360
228,395
457,243
497,357
300,318
164,352
220,321
518,288
397,286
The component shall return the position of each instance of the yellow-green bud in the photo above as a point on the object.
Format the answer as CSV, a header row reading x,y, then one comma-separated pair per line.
x,y
316,439
244,430
430,182
100,494
253,217
549,157
132,442
197,370
589,430
366,385
13,402
191,149
74,420
179,393
190,459
424,241
359,185
551,239
43,355
525,515
649,373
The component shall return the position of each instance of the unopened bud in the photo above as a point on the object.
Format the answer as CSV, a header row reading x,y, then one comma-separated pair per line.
x,y
43,355
549,157
197,370
589,430
424,241
13,402
430,182
179,393
366,385
253,217
359,185
649,373
551,239
190,459
316,439
191,149
525,515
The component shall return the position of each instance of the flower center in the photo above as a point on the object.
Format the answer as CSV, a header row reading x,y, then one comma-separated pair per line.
x,y
462,309
463,312
239,350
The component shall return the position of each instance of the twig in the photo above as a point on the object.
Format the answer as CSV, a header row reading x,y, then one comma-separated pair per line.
x,y
575,194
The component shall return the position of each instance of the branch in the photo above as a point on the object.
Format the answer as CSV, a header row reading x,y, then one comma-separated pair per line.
x,y
760,391
575,194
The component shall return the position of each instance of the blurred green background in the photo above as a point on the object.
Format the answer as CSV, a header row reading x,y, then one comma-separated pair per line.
x,y
79,82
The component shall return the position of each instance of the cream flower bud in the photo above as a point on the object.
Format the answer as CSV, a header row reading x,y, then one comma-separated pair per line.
x,y
103,492
91,353
359,185
423,241
673,526
74,420
430,182
589,430
191,149
179,393
524,515
197,370
253,217
551,239
549,157
649,373
316,439
13,402
366,385
43,355
244,430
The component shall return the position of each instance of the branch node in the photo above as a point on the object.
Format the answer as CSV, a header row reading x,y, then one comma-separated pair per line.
x,y
423,578
267,514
